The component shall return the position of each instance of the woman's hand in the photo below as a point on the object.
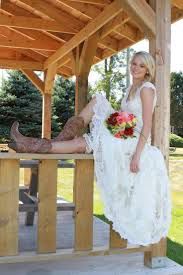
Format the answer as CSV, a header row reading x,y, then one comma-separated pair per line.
x,y
134,164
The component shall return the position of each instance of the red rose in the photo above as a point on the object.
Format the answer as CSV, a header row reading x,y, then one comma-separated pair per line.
x,y
128,132
112,119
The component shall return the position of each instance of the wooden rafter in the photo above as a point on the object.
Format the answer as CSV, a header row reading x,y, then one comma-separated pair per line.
x,y
20,64
109,12
142,14
88,10
178,4
34,24
114,23
54,13
35,45
32,76
129,32
98,2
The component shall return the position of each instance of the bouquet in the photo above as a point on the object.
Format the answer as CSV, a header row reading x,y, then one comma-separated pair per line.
x,y
121,124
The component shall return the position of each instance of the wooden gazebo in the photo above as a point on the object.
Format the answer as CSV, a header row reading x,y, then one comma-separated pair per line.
x,y
67,37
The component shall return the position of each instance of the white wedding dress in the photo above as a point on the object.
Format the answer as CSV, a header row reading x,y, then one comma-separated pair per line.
x,y
138,204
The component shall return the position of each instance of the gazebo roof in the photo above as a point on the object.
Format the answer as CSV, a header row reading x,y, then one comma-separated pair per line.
x,y
37,33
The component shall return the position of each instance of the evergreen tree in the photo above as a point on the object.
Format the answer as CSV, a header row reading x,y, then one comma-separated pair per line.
x,y
20,100
176,106
63,103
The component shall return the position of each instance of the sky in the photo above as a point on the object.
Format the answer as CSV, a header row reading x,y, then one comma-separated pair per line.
x,y
176,50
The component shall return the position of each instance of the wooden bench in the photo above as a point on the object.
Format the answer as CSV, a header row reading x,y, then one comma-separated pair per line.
x,y
28,194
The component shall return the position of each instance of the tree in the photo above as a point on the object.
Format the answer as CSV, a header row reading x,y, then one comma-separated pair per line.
x,y
20,100
63,103
113,77
176,106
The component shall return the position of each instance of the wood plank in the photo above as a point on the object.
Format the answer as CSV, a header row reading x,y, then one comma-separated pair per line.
x,y
23,22
115,241
129,32
14,155
142,15
85,9
57,14
36,81
27,44
20,64
60,207
84,179
178,4
47,190
109,12
116,22
96,2
67,253
9,184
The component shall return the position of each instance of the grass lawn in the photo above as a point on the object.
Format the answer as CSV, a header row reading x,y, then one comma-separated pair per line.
x,y
175,237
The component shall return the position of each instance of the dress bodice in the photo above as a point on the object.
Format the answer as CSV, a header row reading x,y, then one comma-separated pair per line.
x,y
134,105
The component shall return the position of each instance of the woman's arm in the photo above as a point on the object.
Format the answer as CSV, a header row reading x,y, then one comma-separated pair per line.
x,y
147,97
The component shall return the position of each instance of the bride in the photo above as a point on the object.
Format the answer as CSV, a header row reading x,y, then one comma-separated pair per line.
x,y
131,173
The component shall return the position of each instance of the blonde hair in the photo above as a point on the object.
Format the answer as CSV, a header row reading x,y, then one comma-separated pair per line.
x,y
149,63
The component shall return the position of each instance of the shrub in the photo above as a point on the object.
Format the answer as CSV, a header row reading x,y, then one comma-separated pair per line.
x,y
176,141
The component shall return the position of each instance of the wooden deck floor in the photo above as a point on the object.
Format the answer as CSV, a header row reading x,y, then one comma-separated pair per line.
x,y
126,264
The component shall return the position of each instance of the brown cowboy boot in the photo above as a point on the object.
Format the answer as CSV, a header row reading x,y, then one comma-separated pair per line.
x,y
71,129
22,144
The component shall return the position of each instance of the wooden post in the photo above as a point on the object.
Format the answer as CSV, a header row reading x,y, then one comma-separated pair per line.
x,y
46,116
49,77
47,190
9,201
160,49
84,178
84,172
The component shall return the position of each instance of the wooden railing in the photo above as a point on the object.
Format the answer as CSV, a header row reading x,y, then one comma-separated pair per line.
x,y
46,206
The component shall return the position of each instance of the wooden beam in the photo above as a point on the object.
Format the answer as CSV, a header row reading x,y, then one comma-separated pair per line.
x,y
109,43
20,64
33,23
129,32
95,2
142,14
116,22
178,4
27,44
32,76
86,9
109,12
55,13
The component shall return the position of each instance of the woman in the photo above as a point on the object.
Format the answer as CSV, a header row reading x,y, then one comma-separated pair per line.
x,y
130,172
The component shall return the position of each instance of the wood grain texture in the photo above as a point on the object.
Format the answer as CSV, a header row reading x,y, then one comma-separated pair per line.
x,y
47,190
115,241
84,179
9,200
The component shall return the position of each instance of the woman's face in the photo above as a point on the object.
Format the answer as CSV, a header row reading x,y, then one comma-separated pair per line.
x,y
138,69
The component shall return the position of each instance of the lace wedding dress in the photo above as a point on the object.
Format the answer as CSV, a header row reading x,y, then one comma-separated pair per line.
x,y
138,204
